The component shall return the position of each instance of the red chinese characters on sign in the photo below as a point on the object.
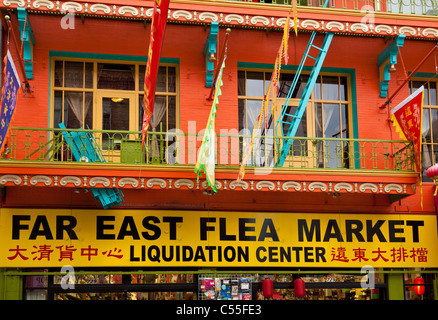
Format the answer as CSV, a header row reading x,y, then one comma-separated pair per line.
x,y
419,255
67,252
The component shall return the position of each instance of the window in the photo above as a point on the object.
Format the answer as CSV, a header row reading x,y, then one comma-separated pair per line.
x,y
326,116
130,285
107,95
429,155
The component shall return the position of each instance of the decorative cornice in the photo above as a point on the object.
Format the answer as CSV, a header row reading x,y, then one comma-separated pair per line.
x,y
193,184
334,20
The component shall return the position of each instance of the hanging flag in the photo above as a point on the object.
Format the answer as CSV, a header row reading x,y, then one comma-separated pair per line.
x,y
9,93
206,155
158,25
294,8
271,95
407,118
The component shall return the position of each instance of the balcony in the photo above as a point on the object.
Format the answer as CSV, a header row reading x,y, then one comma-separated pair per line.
x,y
412,7
44,158
312,164
36,145
372,173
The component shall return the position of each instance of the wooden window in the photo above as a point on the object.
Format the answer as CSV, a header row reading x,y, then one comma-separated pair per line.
x,y
327,114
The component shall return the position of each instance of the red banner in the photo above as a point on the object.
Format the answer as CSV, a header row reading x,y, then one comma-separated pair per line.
x,y
158,26
408,115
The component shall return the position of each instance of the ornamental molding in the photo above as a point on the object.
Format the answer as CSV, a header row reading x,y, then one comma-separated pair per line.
x,y
184,183
156,182
228,19
72,5
291,184
125,181
265,184
99,180
343,185
194,184
40,179
100,7
11,178
317,185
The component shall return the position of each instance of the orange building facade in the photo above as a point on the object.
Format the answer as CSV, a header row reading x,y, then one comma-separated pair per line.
x,y
346,212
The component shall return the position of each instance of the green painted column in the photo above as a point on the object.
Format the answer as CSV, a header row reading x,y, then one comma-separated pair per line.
x,y
11,287
396,290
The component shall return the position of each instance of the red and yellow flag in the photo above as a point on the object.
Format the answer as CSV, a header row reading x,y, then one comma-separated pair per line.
x,y
158,25
407,118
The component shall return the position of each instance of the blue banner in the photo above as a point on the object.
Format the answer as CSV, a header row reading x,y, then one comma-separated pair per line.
x,y
10,88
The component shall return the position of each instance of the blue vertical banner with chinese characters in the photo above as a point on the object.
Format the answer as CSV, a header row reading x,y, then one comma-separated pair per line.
x,y
9,92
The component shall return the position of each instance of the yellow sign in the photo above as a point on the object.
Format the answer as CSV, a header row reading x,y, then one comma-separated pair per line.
x,y
99,238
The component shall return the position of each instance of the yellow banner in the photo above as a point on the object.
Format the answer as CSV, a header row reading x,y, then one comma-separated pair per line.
x,y
145,238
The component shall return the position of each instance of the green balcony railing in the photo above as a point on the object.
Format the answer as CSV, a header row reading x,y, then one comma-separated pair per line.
x,y
181,149
415,7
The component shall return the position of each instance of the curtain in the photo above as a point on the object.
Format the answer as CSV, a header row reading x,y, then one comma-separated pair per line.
x,y
159,112
78,106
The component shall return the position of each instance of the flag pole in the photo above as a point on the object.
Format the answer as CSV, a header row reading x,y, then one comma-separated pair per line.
x,y
389,100
221,60
6,21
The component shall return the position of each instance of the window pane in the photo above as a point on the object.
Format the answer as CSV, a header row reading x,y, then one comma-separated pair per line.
x,y
416,85
74,74
426,125
286,80
141,73
88,75
57,114
241,114
318,120
331,121
73,109
171,109
140,112
171,79
254,84
433,96
115,76
317,89
161,80
344,119
434,125
344,90
159,118
115,114
330,88
88,110
58,73
301,84
241,83
253,108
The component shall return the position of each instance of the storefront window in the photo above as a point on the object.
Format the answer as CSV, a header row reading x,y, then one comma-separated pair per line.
x,y
410,288
86,285
36,287
331,286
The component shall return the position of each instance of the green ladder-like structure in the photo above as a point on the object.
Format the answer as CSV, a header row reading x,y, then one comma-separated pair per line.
x,y
293,120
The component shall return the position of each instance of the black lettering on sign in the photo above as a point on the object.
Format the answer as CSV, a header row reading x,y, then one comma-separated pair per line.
x,y
17,225
41,228
268,224
315,230
101,226
151,227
